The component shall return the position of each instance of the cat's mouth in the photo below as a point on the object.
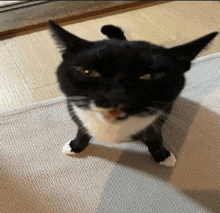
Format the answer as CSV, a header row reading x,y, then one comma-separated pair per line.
x,y
109,115
114,114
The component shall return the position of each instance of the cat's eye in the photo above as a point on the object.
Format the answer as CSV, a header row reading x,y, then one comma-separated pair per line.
x,y
91,73
152,76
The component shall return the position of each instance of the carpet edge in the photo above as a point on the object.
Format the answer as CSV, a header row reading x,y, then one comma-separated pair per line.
x,y
33,106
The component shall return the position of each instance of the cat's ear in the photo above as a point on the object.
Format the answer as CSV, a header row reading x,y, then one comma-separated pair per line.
x,y
187,52
66,40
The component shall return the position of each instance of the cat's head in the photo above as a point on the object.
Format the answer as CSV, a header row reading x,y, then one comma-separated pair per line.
x,y
120,78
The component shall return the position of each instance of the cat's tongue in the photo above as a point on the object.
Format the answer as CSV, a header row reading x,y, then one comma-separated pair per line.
x,y
113,114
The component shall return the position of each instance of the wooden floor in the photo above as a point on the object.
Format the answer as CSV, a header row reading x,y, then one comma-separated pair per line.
x,y
4,3
28,63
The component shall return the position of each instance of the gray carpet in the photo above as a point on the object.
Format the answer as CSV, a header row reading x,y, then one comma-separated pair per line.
x,y
114,178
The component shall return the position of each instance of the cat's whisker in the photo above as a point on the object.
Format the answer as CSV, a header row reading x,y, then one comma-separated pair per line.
x,y
153,109
77,98
80,103
83,106
77,101
157,110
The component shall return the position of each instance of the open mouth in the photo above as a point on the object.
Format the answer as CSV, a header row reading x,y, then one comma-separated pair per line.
x,y
114,114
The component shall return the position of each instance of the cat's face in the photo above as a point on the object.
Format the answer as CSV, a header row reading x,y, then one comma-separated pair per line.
x,y
118,79
130,76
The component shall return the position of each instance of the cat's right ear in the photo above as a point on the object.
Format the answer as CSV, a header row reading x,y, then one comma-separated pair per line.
x,y
66,40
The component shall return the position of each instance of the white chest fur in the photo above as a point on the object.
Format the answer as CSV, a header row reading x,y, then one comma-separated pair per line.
x,y
118,132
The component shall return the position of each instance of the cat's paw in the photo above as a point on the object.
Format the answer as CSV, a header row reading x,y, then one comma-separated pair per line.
x,y
68,150
169,161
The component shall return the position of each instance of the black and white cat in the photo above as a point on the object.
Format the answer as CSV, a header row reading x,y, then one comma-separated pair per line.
x,y
119,90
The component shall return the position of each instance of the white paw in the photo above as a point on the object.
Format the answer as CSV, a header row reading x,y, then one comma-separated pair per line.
x,y
170,161
67,149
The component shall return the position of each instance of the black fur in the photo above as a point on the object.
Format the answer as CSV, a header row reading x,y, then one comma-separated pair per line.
x,y
113,32
120,64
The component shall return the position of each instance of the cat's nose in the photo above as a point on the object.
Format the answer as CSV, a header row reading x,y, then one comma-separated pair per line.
x,y
116,97
103,102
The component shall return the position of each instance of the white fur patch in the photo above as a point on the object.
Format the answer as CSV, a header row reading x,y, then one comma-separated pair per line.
x,y
67,149
170,161
116,131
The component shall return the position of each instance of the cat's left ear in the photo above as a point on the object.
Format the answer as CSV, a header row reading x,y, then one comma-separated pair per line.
x,y
187,52
66,40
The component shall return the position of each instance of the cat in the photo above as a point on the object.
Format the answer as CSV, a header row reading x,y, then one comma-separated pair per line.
x,y
119,90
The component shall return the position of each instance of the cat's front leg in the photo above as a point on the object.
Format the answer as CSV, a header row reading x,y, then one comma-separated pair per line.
x,y
153,139
78,144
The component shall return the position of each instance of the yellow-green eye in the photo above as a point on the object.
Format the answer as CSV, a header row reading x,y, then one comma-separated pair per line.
x,y
152,76
91,73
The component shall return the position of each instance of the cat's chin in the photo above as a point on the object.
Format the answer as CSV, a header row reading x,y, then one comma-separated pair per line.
x,y
110,120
